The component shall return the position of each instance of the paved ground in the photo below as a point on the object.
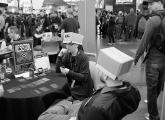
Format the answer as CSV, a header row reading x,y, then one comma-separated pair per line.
x,y
136,76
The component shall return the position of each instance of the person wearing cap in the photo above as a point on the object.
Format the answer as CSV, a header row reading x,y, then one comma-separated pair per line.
x,y
70,24
75,65
144,12
113,101
154,60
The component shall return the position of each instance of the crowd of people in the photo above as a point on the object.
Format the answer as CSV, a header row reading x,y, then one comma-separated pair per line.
x,y
121,26
26,22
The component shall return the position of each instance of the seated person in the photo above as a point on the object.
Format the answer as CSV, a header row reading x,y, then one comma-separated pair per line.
x,y
13,35
37,37
75,65
112,102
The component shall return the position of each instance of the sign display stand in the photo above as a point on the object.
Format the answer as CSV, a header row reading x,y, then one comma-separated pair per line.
x,y
23,56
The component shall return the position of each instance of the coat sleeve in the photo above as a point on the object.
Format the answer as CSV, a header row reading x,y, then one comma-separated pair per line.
x,y
61,61
83,74
57,112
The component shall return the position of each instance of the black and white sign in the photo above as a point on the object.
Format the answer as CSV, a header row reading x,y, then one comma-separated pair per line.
x,y
124,1
23,55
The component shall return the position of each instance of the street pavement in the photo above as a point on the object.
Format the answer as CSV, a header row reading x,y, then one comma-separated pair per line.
x,y
136,76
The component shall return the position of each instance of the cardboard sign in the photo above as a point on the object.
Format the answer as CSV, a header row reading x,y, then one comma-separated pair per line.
x,y
42,61
47,36
71,37
113,62
23,55
124,1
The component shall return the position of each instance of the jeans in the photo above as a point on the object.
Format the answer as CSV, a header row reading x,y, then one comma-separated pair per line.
x,y
155,74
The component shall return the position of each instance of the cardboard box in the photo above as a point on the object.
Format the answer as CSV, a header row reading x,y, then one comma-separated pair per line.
x,y
71,37
113,62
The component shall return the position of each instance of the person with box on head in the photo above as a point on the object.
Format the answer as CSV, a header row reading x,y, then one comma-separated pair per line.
x,y
117,98
75,65
153,41
113,101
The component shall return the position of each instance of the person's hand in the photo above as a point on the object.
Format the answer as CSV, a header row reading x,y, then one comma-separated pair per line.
x,y
64,70
62,52
9,47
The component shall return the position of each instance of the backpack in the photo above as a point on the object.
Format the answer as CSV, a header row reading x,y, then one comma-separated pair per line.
x,y
142,24
159,38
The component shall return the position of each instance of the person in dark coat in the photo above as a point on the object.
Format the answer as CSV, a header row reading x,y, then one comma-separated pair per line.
x,y
75,65
111,29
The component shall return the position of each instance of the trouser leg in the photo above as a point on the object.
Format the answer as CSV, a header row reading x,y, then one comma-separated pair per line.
x,y
152,76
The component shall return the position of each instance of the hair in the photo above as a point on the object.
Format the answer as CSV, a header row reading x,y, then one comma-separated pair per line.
x,y
80,48
0,12
14,29
70,11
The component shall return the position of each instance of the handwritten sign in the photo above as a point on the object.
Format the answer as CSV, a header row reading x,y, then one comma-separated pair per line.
x,y
73,37
123,1
47,36
23,55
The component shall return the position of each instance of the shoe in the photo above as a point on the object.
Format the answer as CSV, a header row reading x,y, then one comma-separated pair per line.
x,y
110,44
146,115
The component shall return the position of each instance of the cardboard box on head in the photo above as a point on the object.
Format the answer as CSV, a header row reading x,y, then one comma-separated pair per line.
x,y
113,62
71,37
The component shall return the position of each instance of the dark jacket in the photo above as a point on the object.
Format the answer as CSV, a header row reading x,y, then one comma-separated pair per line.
x,y
152,27
111,24
110,103
130,19
136,32
70,25
79,71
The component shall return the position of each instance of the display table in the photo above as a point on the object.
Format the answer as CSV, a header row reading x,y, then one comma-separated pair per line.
x,y
5,54
27,99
